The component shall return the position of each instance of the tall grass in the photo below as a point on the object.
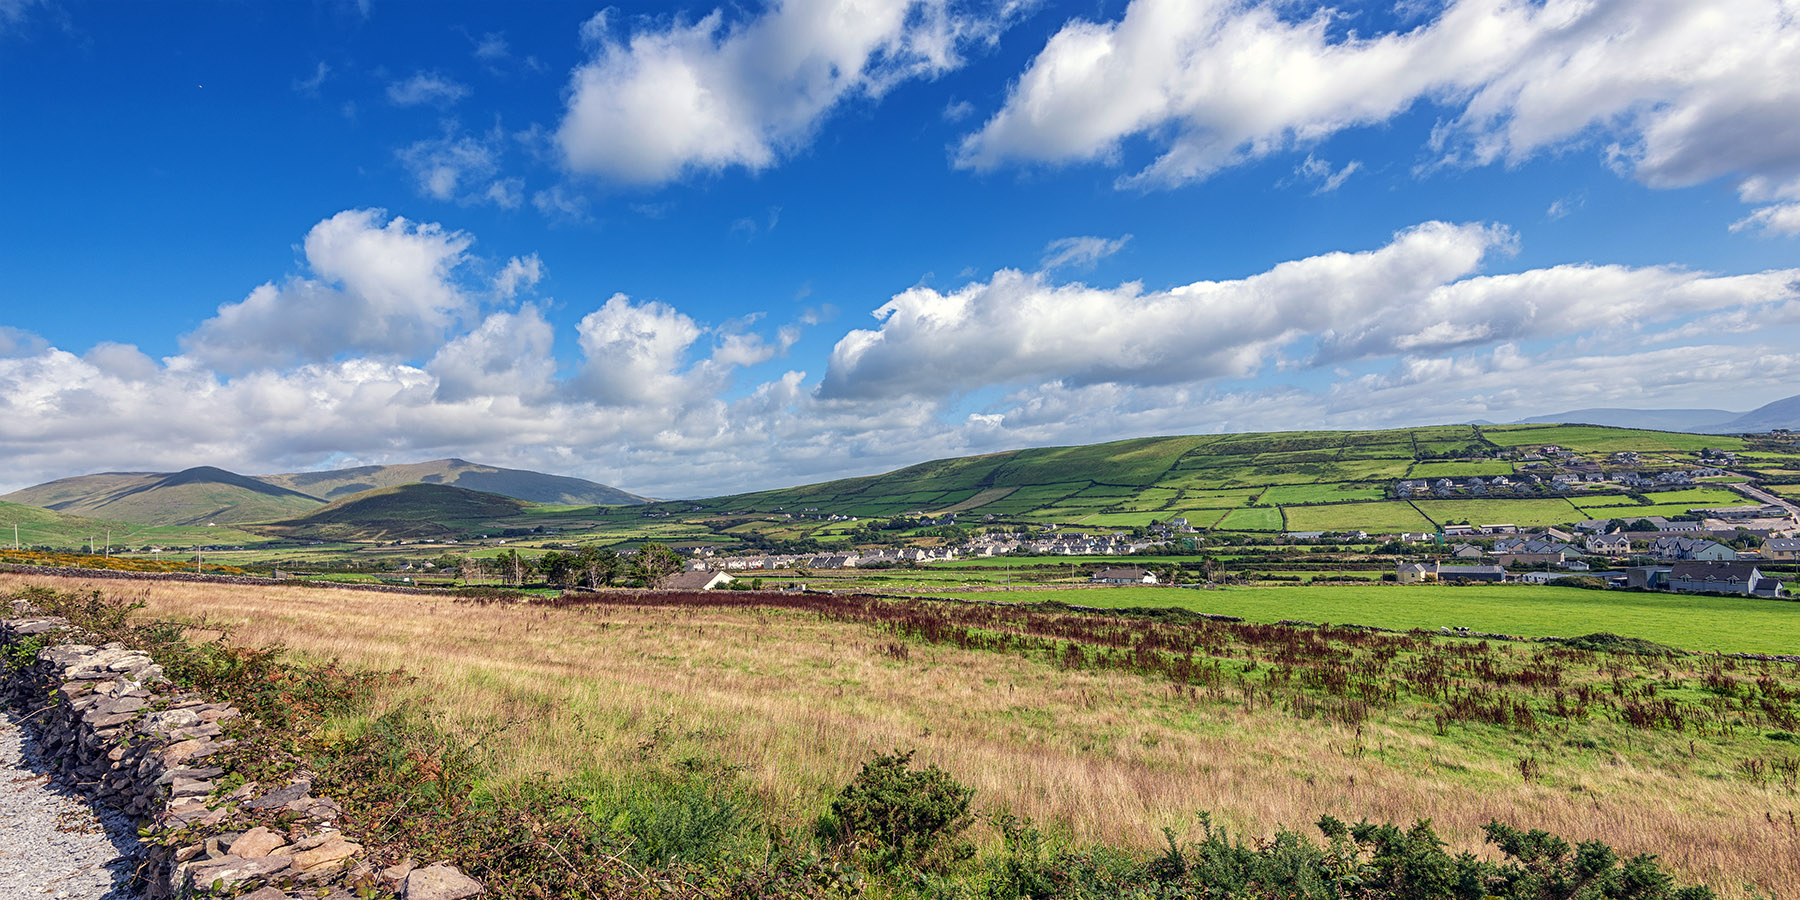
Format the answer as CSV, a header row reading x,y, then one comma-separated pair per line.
x,y
779,708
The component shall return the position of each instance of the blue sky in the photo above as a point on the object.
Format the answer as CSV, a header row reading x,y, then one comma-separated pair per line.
x,y
688,249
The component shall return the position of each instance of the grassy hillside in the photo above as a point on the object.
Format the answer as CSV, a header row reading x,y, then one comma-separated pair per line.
x,y
39,527
535,487
199,496
404,512
1302,481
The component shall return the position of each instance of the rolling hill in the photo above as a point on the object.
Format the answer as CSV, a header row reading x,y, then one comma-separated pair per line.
x,y
1288,481
39,527
199,496
403,512
520,484
207,495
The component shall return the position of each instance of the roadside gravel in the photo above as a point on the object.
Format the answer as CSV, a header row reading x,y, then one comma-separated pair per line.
x,y
52,843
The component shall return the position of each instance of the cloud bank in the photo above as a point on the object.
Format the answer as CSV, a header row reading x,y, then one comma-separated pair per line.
x,y
1673,93
398,342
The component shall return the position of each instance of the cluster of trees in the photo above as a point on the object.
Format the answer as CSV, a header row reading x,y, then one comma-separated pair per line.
x,y
589,567
892,531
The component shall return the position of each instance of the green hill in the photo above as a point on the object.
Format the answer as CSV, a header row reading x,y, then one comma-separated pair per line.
x,y
535,487
1294,481
402,512
203,495
38,527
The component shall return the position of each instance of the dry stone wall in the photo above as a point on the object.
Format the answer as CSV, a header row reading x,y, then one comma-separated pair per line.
x,y
119,731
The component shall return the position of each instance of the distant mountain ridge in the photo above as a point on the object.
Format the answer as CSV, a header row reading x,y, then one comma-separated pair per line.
x,y
520,484
1783,413
203,495
206,495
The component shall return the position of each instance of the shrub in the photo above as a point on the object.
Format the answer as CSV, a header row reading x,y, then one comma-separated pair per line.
x,y
901,816
1587,582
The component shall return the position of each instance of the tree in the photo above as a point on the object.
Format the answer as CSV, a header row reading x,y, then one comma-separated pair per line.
x,y
512,567
560,569
654,564
599,567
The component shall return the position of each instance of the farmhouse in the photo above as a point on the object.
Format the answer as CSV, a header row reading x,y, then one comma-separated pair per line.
x,y
1414,573
1687,548
1730,578
1609,544
1124,576
697,581
1781,548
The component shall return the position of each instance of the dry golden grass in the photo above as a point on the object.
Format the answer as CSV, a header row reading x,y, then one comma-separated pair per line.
x,y
1107,756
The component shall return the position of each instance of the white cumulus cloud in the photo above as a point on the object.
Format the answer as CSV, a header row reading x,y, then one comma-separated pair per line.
x,y
1675,92
379,286
698,96
1418,295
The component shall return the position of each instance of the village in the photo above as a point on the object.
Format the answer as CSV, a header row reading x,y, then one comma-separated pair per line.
x,y
1706,549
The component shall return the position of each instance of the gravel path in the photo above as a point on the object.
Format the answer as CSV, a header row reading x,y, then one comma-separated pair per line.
x,y
52,844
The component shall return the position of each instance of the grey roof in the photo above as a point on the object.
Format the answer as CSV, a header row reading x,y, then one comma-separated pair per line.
x,y
1714,571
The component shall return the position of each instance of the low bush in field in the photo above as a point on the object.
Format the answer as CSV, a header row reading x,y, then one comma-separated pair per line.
x,y
900,817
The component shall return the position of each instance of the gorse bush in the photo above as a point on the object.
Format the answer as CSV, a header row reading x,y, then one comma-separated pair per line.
x,y
1356,862
901,816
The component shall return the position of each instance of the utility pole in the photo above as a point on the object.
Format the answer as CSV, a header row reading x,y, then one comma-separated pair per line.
x,y
109,543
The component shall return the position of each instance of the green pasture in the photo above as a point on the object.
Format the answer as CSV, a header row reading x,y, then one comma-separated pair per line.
x,y
1628,513
1524,513
1402,450
1691,497
1725,624
1331,492
1373,517
1259,518
1459,469
1365,470
1594,438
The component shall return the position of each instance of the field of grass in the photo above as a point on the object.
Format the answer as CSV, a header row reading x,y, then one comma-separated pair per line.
x,y
1691,497
38,526
1261,518
788,703
1523,513
1690,622
1455,469
1331,492
1628,513
1587,438
1376,518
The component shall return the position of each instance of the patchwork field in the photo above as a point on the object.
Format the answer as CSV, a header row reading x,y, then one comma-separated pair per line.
x,y
1523,513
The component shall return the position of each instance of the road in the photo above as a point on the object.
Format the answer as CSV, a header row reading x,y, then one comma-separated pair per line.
x,y
1762,496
